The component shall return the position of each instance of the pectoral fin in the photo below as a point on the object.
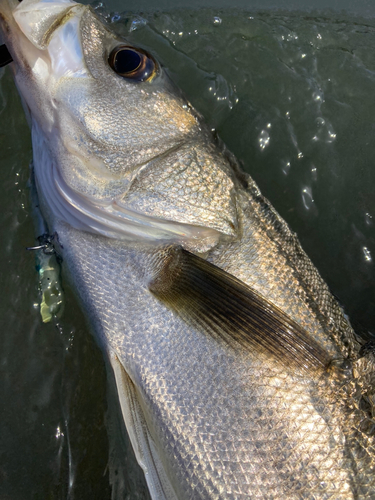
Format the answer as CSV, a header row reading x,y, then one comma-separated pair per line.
x,y
211,299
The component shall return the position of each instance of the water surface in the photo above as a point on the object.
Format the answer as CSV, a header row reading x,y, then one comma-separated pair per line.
x,y
291,94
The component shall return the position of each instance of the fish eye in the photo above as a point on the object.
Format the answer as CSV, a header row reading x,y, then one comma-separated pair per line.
x,y
132,63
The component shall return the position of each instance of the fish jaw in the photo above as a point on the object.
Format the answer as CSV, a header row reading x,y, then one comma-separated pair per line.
x,y
39,19
25,27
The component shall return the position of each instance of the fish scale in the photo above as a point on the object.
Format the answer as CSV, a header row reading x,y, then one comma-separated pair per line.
x,y
293,428
237,373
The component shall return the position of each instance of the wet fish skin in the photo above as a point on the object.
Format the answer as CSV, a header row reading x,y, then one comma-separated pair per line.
x,y
207,405
219,421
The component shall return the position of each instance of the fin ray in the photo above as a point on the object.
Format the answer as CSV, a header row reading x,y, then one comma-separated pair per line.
x,y
223,306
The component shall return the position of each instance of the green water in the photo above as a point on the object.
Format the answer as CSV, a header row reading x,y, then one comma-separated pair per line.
x,y
292,95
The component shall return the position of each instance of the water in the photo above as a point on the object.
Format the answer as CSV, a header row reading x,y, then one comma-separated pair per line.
x,y
292,96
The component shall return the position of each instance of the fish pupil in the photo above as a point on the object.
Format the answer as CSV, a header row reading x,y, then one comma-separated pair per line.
x,y
127,61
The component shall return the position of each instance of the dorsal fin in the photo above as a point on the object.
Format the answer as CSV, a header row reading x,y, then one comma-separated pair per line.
x,y
211,299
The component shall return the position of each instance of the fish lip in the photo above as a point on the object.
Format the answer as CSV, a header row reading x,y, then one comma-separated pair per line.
x,y
65,16
25,50
17,40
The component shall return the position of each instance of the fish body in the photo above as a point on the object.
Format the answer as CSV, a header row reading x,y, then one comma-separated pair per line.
x,y
173,252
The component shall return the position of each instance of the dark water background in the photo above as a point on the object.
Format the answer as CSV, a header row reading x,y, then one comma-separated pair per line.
x,y
292,95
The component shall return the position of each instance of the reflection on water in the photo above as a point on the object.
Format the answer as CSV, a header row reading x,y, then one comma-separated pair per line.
x,y
292,97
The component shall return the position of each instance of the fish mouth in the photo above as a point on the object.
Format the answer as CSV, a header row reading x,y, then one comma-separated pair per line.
x,y
35,37
38,39
39,19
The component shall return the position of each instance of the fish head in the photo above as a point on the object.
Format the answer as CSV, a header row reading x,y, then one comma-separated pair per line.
x,y
101,112
68,60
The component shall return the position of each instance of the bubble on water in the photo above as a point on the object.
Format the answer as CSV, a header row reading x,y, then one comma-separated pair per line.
x,y
307,197
367,254
314,172
217,21
325,131
100,9
97,5
263,139
137,23
292,36
115,18
318,96
59,434
368,219
285,167
222,92
331,136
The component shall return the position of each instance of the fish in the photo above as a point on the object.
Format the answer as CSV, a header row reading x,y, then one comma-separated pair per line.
x,y
237,373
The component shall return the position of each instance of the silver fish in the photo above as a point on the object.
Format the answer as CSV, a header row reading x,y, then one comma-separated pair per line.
x,y
237,373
